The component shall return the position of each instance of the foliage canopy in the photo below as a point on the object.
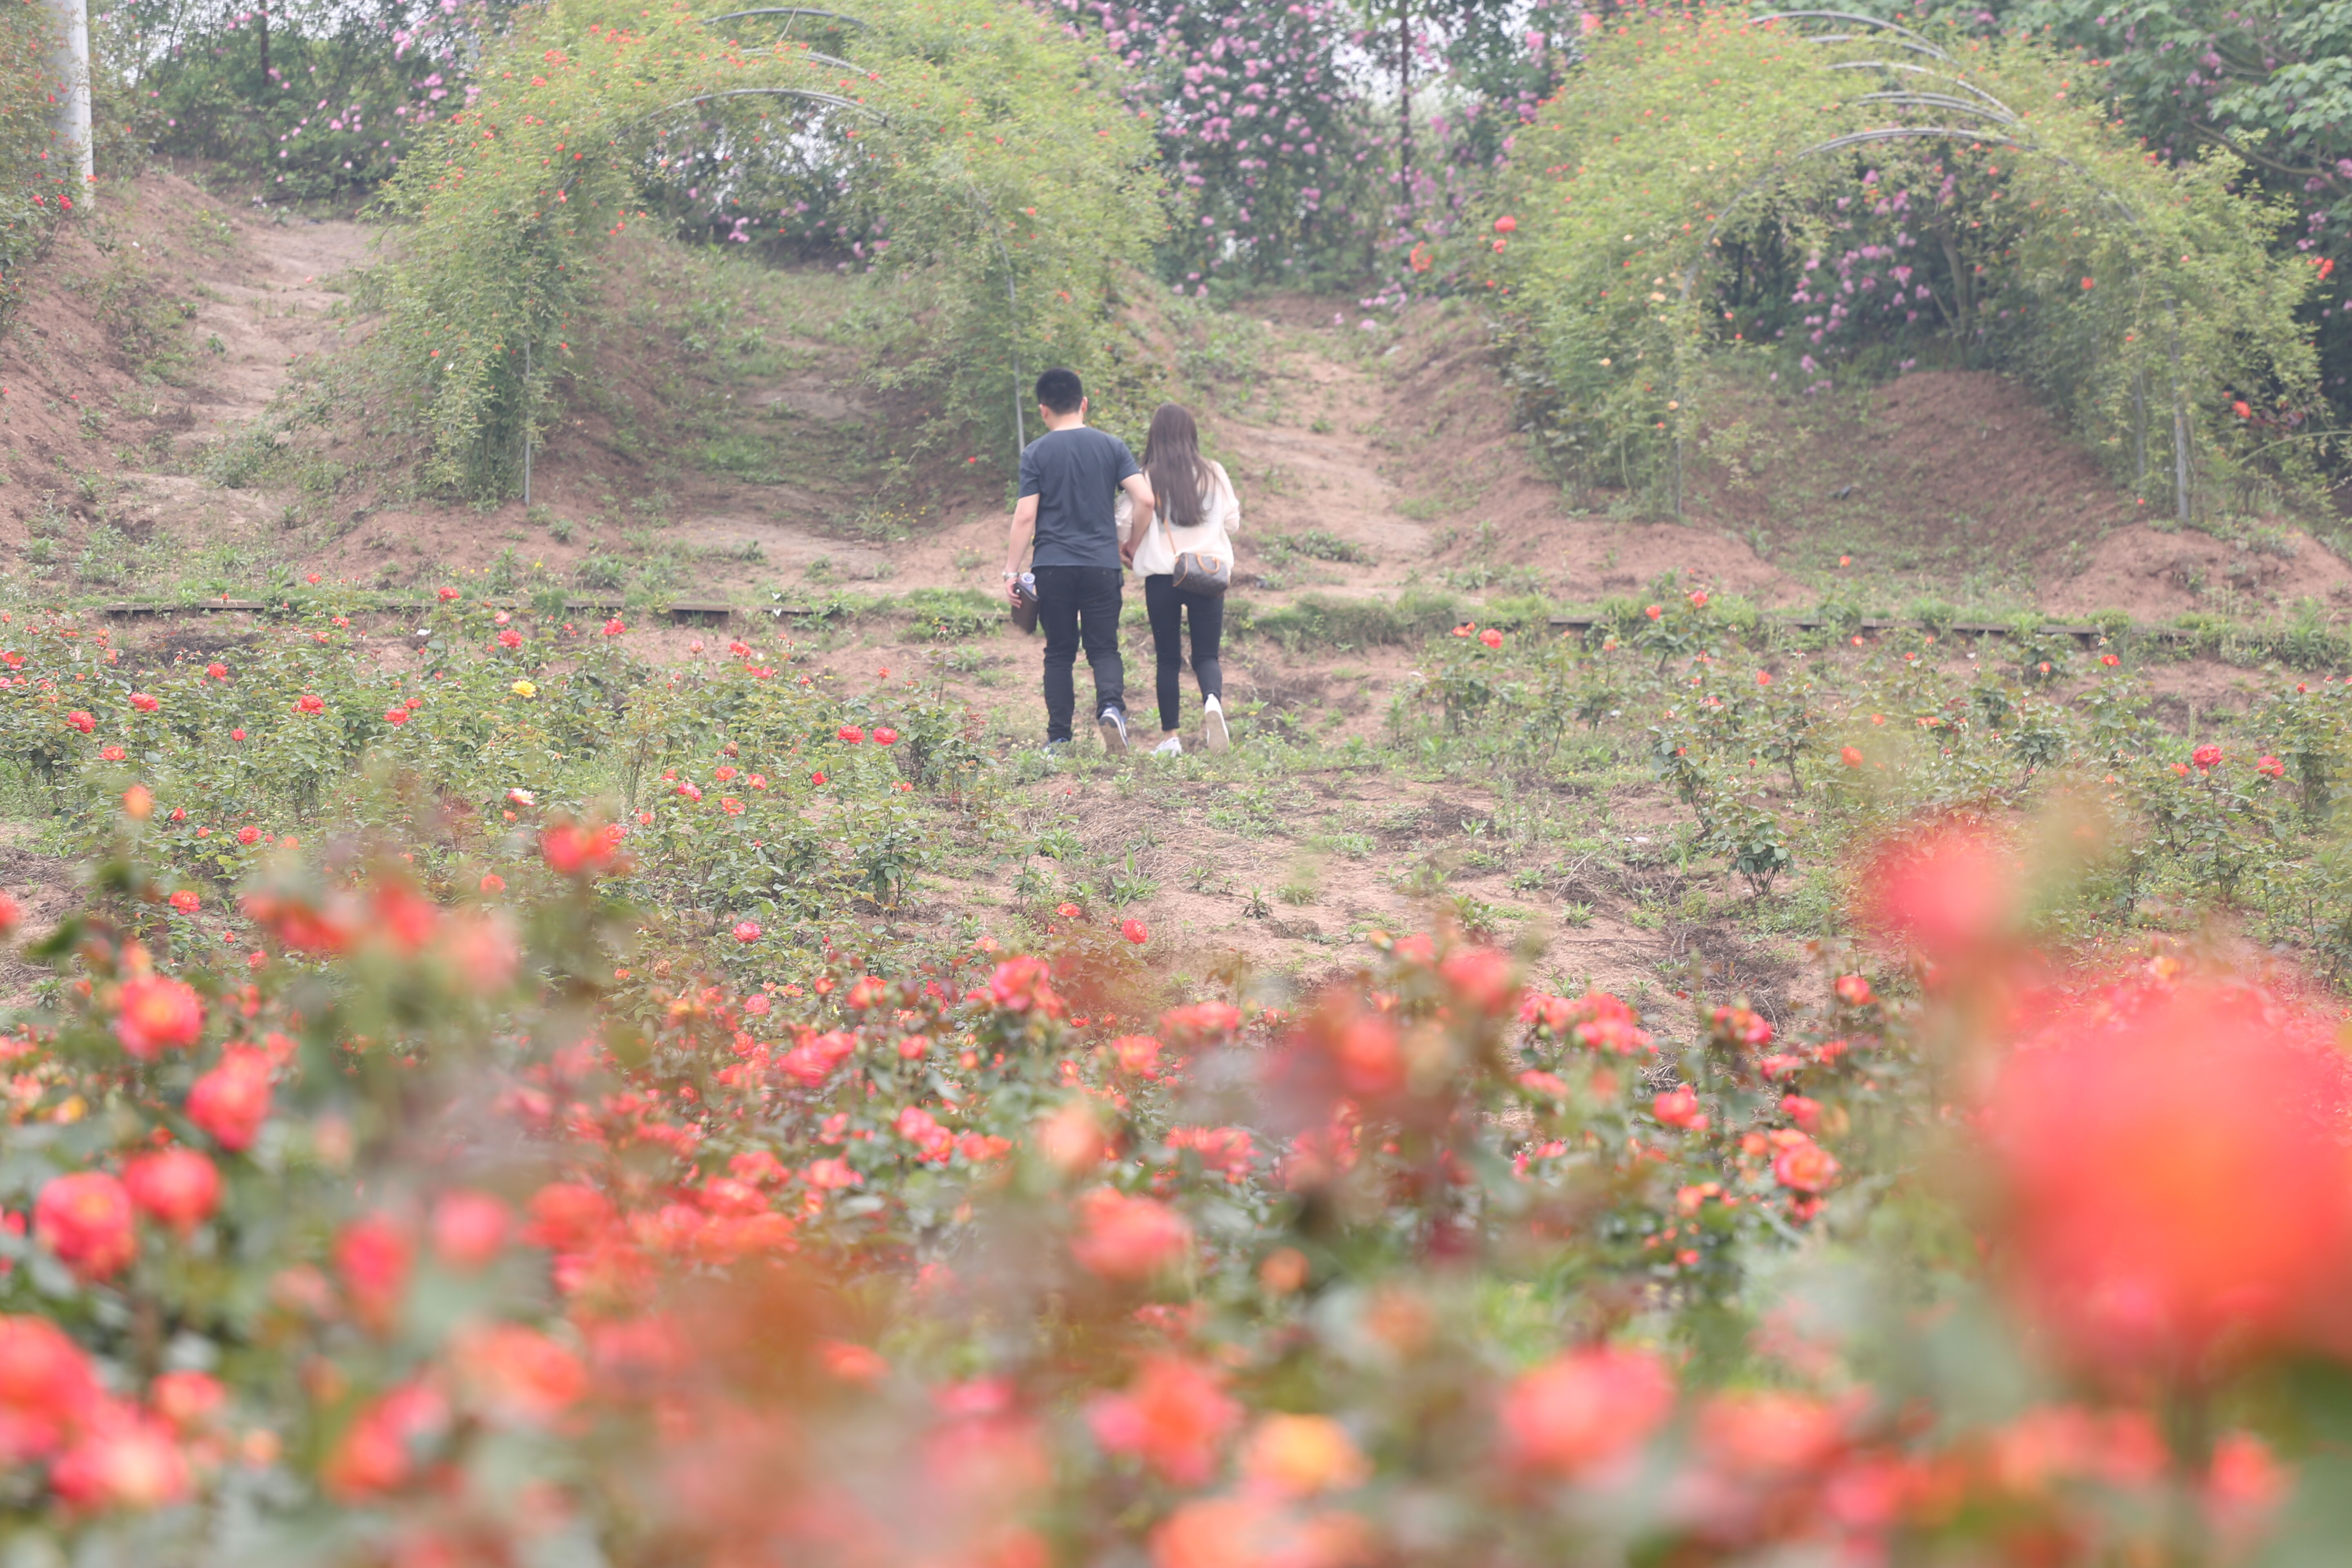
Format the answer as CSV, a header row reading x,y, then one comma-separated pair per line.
x,y
1706,168
1008,186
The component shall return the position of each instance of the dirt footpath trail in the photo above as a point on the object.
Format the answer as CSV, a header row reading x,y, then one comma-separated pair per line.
x,y
1401,442
280,298
1306,450
271,307
160,324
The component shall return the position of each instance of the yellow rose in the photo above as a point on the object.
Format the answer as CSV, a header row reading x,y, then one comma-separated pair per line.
x,y
523,688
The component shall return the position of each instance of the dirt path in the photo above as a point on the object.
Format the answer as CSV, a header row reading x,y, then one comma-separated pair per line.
x,y
279,297
161,323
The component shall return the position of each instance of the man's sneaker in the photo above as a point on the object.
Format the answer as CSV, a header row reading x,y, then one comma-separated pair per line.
x,y
1212,724
1113,724
1057,748
1173,746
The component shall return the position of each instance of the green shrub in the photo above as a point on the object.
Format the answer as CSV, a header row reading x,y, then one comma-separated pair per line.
x,y
952,613
978,145
1667,207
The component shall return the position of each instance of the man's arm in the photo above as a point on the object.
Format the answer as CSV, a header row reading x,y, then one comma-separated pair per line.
x,y
1139,490
1024,529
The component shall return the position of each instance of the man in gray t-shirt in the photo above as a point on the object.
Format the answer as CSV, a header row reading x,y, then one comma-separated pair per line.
x,y
1070,480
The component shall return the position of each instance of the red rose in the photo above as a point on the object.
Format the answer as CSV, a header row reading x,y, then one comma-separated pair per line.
x,y
86,1220
1679,1108
1128,1239
469,1230
153,1013
126,1459
46,1386
231,1101
175,1187
372,1258
378,1452
1804,1166
1582,1409
577,849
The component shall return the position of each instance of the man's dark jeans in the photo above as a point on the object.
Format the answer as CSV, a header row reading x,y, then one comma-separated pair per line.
x,y
1078,604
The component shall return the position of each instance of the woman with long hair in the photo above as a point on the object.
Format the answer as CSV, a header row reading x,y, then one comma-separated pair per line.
x,y
1197,517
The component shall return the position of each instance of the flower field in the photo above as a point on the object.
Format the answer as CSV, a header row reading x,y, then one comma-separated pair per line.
x,y
553,1014
500,1101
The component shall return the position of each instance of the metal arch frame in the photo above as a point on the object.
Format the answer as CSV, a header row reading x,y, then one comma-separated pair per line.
x,y
832,101
1997,114
788,11
980,200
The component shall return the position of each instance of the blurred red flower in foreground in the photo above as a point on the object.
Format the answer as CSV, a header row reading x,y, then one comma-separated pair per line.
x,y
1129,1238
231,1101
175,1187
85,1218
1581,1410
576,849
1257,1532
127,1460
469,1230
155,1014
1175,1416
372,1258
380,1449
1951,890
2174,1185
46,1384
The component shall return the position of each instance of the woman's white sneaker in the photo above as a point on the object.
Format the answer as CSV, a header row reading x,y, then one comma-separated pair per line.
x,y
1172,747
1212,724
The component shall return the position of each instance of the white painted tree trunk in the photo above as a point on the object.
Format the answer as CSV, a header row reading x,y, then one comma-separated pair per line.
x,y
69,77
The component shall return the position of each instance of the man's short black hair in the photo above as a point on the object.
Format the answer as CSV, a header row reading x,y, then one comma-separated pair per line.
x,y
1060,391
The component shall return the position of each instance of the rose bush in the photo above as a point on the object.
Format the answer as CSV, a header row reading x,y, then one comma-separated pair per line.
x,y
919,1261
515,1150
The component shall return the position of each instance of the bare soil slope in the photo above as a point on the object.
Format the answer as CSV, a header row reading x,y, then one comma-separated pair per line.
x,y
721,442
162,319
1958,483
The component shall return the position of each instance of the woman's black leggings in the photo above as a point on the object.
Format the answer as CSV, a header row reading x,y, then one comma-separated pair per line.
x,y
1168,609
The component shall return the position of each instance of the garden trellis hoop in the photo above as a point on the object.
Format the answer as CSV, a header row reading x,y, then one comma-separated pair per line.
x,y
2000,124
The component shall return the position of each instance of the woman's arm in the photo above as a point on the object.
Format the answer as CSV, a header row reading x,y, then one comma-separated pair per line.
x,y
1139,492
1229,501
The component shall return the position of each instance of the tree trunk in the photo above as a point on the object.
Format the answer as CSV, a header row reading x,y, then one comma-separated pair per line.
x,y
262,19
1963,291
69,70
1405,104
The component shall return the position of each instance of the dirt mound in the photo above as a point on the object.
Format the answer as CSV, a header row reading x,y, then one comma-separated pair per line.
x,y
1960,483
2155,575
714,424
1940,471
152,338
152,316
1400,441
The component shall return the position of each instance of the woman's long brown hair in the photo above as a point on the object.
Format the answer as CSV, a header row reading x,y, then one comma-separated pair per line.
x,y
1171,461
